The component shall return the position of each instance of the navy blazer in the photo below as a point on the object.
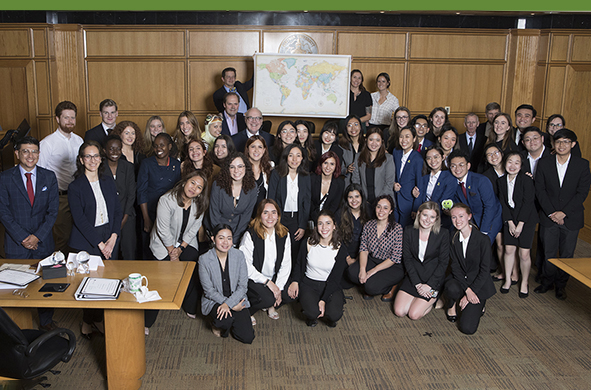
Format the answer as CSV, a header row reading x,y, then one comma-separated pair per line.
x,y
278,192
240,123
445,188
473,270
83,209
97,133
411,177
432,269
20,219
240,139
241,88
333,197
125,183
426,144
486,209
569,198
523,195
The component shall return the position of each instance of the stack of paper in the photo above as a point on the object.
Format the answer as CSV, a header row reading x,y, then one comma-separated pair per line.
x,y
93,289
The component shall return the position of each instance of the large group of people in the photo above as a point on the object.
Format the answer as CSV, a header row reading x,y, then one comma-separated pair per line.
x,y
402,206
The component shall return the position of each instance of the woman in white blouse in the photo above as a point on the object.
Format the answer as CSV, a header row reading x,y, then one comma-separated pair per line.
x,y
384,103
267,250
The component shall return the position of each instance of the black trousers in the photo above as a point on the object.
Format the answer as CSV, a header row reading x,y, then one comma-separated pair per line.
x,y
380,283
290,221
310,294
558,240
261,297
129,240
469,318
238,324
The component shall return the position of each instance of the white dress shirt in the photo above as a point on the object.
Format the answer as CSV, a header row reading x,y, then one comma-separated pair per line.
x,y
533,162
33,177
510,190
464,242
58,154
268,269
562,169
431,185
102,215
291,200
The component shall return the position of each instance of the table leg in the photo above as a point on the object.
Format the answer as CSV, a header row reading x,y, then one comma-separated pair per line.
x,y
126,348
22,316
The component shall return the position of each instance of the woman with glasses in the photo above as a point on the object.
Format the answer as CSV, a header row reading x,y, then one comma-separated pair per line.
x,y
556,122
286,135
401,119
233,195
96,215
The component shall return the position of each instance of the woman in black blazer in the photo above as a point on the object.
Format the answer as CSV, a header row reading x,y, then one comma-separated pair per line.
x,y
425,256
469,285
327,185
328,140
519,219
293,200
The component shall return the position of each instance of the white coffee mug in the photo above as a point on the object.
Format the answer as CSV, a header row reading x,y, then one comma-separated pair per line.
x,y
135,282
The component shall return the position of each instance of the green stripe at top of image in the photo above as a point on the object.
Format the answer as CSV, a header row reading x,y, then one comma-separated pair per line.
x,y
308,5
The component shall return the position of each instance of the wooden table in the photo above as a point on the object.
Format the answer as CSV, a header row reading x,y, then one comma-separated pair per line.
x,y
124,318
579,268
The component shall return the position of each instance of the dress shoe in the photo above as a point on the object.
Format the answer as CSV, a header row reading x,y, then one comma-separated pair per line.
x,y
450,318
367,297
332,324
560,293
541,289
47,327
514,282
311,323
389,297
497,279
504,290
523,294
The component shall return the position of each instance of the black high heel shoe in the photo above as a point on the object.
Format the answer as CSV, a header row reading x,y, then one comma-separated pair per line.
x,y
451,319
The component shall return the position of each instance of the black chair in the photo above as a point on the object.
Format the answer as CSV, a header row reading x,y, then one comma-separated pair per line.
x,y
28,353
266,126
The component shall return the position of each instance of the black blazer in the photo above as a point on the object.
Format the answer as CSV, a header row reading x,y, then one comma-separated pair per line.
x,y
333,198
240,122
526,167
432,270
278,192
333,148
97,133
241,88
125,182
473,270
576,150
240,139
477,150
523,196
569,198
491,174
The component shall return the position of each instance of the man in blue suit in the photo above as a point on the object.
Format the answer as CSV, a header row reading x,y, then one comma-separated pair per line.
x,y
476,191
29,204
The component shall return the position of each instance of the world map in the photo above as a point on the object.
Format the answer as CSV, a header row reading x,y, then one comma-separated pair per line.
x,y
302,85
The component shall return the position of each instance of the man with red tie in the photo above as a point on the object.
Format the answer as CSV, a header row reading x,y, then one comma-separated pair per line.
x,y
29,204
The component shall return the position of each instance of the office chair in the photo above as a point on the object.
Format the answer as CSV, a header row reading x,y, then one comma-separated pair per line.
x,y
29,353
266,126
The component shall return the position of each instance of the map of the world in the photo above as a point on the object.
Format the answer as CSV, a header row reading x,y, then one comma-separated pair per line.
x,y
307,85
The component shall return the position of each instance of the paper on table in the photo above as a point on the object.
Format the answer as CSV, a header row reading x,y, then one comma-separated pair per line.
x,y
94,263
18,278
100,286
6,286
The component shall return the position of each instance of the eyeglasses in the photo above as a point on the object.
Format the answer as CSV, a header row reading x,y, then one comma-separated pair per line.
x,y
254,118
28,151
555,125
288,131
21,293
424,125
402,117
92,156
495,153
237,167
563,142
531,139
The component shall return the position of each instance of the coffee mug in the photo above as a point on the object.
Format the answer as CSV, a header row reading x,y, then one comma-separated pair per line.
x,y
135,282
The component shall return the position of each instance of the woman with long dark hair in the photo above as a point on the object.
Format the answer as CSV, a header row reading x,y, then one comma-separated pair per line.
x,y
286,135
327,185
351,143
258,155
187,128
305,139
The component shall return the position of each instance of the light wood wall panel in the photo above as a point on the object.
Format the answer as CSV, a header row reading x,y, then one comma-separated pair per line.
x,y
47,126
462,87
458,46
581,50
371,70
205,77
14,105
554,90
40,42
15,43
152,86
372,45
324,40
522,70
125,43
559,47
224,43
43,88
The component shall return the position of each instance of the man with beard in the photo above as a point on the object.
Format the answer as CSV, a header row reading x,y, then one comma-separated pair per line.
x,y
58,153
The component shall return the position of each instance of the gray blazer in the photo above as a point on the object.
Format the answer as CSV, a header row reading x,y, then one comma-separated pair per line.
x,y
211,280
384,177
348,159
167,228
222,210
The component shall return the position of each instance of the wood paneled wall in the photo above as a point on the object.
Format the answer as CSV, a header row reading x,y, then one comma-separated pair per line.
x,y
163,70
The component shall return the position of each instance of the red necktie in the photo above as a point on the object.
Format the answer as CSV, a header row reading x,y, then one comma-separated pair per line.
x,y
464,190
419,150
30,188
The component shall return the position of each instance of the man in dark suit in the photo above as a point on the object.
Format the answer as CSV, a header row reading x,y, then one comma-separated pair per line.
x,y
476,191
232,85
472,141
562,185
254,121
233,122
525,116
492,109
29,204
109,113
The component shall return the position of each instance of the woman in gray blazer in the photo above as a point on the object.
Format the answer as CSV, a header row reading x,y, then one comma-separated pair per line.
x,y
224,278
234,195
374,168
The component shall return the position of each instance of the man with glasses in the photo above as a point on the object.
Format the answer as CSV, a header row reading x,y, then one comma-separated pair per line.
x,y
254,121
28,209
472,141
476,191
233,120
109,113
58,153
562,185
